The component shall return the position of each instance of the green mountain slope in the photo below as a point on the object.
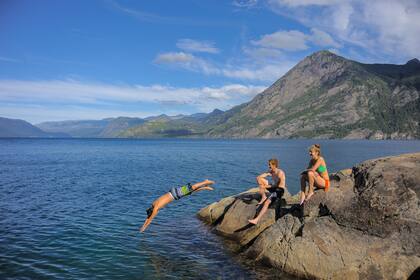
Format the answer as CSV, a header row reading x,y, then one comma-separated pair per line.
x,y
195,125
328,96
110,127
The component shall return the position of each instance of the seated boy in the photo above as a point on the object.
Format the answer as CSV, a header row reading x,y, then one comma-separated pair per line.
x,y
276,189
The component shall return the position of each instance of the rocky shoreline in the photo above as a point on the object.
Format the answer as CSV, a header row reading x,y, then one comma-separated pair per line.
x,y
366,227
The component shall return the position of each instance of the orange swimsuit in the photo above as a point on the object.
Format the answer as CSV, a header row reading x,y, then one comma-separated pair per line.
x,y
327,184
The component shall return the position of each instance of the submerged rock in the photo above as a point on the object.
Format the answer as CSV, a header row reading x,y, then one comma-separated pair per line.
x,y
366,227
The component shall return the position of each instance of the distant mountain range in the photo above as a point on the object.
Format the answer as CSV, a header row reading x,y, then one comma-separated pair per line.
x,y
323,96
106,128
19,128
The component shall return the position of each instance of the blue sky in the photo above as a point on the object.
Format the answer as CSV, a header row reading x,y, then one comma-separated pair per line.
x,y
63,60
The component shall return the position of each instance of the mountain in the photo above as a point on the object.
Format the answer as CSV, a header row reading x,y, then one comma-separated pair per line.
x,y
109,127
328,96
195,125
21,128
84,128
117,125
323,96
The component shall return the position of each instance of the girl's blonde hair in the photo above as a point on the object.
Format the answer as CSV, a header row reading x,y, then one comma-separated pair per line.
x,y
315,148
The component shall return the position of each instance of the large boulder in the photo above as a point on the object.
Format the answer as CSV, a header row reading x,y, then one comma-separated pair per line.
x,y
366,227
231,215
212,213
235,222
322,249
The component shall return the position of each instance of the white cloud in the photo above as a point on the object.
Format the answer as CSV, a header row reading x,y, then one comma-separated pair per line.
x,y
340,17
96,100
270,72
146,16
262,54
287,40
322,39
262,62
187,61
8,59
190,45
174,57
295,40
396,24
231,91
91,93
40,113
385,29
244,3
297,3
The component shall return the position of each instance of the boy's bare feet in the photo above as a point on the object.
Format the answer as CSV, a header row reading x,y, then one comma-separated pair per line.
x,y
253,221
209,182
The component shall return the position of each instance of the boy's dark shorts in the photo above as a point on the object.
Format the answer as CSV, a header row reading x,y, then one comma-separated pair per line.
x,y
275,193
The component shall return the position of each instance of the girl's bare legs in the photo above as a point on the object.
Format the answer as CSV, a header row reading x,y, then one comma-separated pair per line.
x,y
262,212
314,179
157,205
303,180
263,185
311,181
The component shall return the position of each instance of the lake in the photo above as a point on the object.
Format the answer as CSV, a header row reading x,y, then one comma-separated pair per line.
x,y
71,208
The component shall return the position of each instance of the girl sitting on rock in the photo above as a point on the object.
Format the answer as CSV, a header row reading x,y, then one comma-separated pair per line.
x,y
174,194
316,175
276,189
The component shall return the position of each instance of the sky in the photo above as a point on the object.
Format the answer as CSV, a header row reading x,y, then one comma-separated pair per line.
x,y
72,60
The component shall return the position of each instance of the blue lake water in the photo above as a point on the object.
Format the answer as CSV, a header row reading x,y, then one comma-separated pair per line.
x,y
71,208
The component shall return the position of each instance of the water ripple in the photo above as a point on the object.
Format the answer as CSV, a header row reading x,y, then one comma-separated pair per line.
x,y
71,208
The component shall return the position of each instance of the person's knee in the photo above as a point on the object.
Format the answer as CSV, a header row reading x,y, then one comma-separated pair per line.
x,y
311,174
155,210
260,180
267,202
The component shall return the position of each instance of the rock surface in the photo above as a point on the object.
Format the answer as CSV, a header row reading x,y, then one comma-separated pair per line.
x,y
366,227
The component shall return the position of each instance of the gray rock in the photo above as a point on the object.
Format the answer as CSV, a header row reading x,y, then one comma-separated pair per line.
x,y
216,210
365,227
